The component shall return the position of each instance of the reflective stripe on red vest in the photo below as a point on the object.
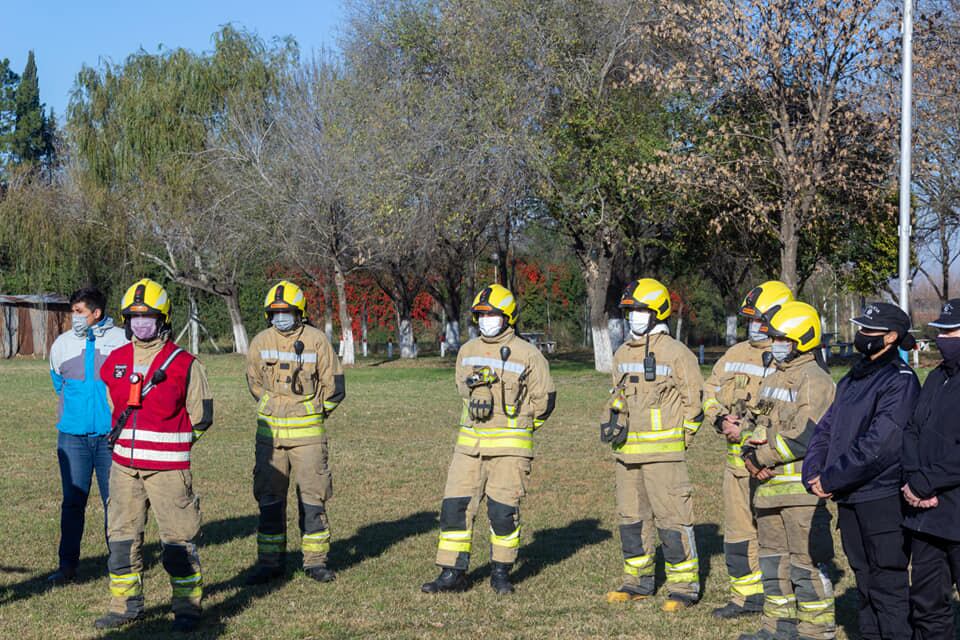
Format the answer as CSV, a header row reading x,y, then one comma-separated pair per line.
x,y
157,436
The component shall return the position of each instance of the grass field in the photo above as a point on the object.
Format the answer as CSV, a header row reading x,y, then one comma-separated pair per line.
x,y
391,442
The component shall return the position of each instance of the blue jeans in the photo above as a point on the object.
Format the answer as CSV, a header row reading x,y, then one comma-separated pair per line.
x,y
79,457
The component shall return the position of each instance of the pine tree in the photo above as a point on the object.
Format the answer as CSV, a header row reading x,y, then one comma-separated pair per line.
x,y
8,87
28,145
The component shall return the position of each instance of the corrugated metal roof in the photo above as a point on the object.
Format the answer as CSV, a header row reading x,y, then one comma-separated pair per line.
x,y
36,299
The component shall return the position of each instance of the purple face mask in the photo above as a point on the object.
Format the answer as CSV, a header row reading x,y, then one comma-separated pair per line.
x,y
143,327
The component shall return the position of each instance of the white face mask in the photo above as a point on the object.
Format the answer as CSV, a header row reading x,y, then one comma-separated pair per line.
x,y
781,350
79,324
283,320
490,325
639,322
753,330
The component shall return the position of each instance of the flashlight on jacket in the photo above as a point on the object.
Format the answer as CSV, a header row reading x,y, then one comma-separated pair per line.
x,y
135,399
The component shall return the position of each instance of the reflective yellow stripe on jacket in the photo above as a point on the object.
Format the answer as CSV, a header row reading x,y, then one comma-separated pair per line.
x,y
644,442
787,483
495,438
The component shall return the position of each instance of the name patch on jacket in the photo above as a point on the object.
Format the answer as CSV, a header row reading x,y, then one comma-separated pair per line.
x,y
119,371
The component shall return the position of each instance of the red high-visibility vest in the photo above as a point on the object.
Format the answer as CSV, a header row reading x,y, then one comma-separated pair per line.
x,y
157,436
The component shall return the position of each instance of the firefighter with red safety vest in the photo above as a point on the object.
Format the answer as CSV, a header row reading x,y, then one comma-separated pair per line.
x,y
507,394
732,388
161,406
296,378
653,414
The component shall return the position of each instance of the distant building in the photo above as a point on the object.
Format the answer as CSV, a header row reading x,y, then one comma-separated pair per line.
x,y
30,323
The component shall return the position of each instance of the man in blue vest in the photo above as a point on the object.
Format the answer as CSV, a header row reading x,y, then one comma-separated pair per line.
x,y
84,417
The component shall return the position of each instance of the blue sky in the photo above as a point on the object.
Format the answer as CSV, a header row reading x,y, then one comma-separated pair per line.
x,y
65,35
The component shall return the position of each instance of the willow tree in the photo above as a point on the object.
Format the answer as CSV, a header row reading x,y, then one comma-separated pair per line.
x,y
142,131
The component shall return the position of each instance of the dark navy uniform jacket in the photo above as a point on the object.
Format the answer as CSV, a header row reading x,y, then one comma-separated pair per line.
x,y
931,454
856,448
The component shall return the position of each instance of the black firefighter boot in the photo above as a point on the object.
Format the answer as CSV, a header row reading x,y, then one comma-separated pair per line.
x,y
449,580
500,579
262,574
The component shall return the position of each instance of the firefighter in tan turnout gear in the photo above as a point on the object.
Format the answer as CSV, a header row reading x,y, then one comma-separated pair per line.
x,y
296,378
161,406
507,395
654,412
733,387
793,526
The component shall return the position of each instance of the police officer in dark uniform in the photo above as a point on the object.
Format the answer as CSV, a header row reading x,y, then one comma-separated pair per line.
x,y
854,457
931,489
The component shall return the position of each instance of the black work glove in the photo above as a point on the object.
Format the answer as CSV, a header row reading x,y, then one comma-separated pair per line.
x,y
481,403
614,430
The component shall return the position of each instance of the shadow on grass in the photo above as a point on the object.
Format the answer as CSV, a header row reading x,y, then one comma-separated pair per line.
x,y
95,568
549,547
372,540
369,542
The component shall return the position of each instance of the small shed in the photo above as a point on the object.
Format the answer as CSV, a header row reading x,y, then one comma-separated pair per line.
x,y
30,323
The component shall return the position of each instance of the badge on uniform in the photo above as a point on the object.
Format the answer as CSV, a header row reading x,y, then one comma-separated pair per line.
x,y
119,371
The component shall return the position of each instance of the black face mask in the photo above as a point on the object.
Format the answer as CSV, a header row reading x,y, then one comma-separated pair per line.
x,y
949,348
868,345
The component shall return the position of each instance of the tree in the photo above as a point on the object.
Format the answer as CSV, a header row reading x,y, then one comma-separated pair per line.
x,y
31,142
142,132
937,145
809,72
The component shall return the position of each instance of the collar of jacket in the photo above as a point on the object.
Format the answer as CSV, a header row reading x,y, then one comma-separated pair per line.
x,y
504,336
950,367
293,333
866,367
660,328
150,347
799,361
100,329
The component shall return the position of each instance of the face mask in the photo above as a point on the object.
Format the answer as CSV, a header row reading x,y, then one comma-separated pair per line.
x,y
490,325
949,348
639,322
79,324
781,350
144,328
868,345
283,321
753,330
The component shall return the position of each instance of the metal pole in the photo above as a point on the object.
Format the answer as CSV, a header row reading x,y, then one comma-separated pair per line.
x,y
906,109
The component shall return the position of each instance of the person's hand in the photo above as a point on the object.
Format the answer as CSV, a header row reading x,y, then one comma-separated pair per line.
x,y
731,428
764,474
910,497
929,503
817,489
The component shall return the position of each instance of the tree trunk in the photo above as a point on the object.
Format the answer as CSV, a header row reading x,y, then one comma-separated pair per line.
x,y
678,335
731,334
363,328
597,276
327,310
240,342
789,241
616,331
405,338
346,321
194,323
944,259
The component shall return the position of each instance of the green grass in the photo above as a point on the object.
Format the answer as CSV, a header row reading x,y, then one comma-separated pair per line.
x,y
391,442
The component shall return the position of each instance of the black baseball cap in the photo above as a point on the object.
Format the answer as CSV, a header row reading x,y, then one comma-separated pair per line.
x,y
883,316
949,315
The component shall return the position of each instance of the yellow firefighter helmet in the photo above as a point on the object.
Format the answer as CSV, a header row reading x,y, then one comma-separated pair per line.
x,y
285,296
796,321
764,300
647,293
146,297
495,298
